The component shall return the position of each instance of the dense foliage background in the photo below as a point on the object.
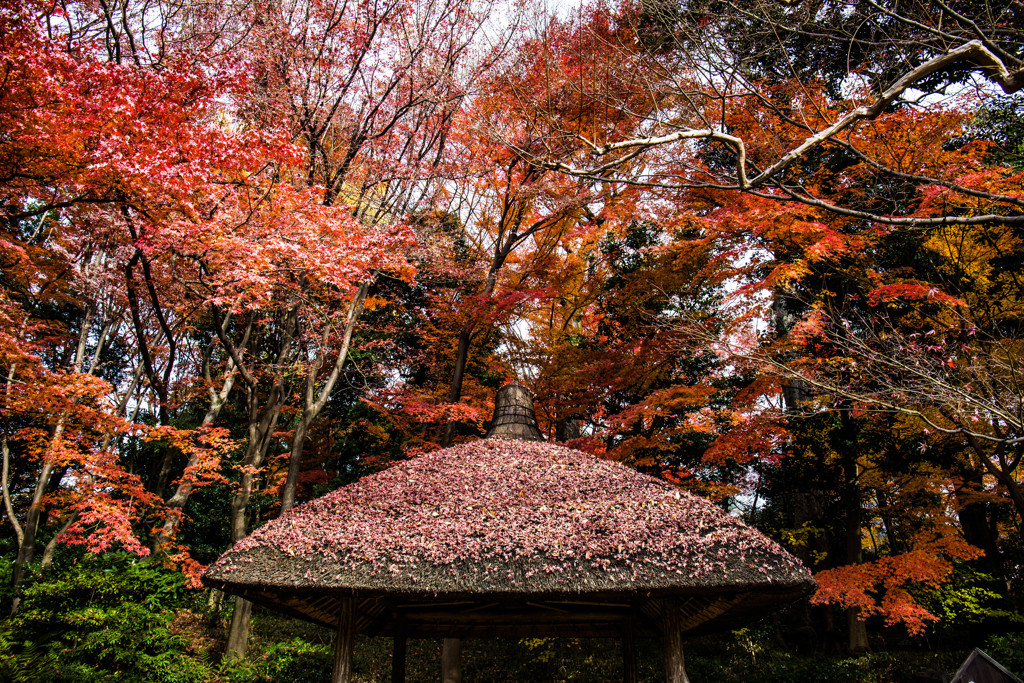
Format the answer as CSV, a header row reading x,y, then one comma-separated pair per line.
x,y
769,252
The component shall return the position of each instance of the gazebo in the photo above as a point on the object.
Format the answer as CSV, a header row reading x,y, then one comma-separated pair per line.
x,y
509,536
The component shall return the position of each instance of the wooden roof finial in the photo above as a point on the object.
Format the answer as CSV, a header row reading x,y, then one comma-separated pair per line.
x,y
514,417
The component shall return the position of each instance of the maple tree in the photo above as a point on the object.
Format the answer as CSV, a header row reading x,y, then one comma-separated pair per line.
x,y
518,215
697,84
830,176
57,183
186,215
838,295
368,92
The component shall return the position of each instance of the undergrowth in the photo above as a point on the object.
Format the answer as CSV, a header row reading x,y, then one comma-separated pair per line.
x,y
116,618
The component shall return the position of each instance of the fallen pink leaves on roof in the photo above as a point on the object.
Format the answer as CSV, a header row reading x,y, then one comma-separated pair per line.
x,y
498,504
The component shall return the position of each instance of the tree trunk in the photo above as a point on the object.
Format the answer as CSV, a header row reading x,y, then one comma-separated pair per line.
x,y
501,253
34,518
291,482
455,390
176,503
312,407
974,515
852,512
262,423
51,546
238,634
27,547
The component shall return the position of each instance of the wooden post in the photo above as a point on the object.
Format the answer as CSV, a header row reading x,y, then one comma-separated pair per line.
x,y
628,652
398,658
451,671
238,634
344,642
675,671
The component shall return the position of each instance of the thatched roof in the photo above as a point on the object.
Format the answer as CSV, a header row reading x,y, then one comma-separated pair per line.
x,y
510,522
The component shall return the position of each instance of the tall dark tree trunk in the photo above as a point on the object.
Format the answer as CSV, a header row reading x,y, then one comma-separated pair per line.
x,y
30,529
845,444
465,339
455,388
974,515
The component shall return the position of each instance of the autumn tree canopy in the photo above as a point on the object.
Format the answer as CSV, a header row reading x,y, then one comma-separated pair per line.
x,y
768,252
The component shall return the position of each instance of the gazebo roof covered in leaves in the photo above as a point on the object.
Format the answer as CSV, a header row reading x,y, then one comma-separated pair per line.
x,y
504,537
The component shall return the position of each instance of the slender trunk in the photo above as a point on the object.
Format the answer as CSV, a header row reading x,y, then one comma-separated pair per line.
x,y
259,441
465,337
5,478
511,233
455,389
261,434
27,547
51,547
49,477
313,406
238,633
164,475
34,516
461,358
176,503
159,382
291,482
262,423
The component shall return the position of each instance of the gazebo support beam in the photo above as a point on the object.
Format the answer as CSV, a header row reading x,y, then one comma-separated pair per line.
x,y
398,659
344,641
451,668
675,671
629,653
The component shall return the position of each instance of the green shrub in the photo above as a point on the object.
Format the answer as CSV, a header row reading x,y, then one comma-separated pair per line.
x,y
971,599
101,618
296,661
1008,650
